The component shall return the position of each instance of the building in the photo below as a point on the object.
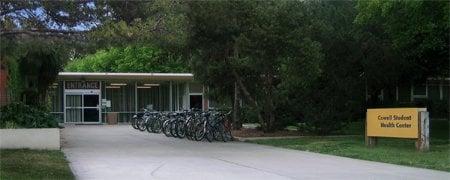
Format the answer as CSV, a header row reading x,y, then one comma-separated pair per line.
x,y
86,98
93,98
434,94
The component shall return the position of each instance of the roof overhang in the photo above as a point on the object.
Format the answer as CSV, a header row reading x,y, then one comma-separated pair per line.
x,y
125,76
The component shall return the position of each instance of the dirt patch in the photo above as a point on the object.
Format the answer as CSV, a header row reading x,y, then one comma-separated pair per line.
x,y
259,133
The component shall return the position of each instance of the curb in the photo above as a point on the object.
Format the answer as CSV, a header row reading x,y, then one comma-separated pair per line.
x,y
245,139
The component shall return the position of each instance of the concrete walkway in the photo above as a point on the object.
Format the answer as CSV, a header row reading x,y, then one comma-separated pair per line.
x,y
120,152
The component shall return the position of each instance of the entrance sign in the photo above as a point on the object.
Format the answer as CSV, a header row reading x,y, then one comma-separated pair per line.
x,y
410,123
395,122
82,85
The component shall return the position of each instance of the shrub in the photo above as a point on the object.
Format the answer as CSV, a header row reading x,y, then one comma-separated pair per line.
x,y
19,115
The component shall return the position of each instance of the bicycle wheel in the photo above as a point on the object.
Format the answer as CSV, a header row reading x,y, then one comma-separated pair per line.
x,y
199,133
166,128
156,126
218,133
209,135
148,125
189,130
180,129
141,124
173,128
133,123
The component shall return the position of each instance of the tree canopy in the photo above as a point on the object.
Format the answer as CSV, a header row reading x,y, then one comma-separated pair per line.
x,y
128,59
292,61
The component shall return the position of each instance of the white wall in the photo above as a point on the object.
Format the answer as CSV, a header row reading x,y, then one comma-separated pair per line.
x,y
45,138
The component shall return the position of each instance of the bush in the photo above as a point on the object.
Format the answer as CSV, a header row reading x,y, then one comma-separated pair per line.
x,y
19,115
249,115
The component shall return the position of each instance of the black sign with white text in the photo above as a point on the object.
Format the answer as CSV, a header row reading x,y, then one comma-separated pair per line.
x,y
82,85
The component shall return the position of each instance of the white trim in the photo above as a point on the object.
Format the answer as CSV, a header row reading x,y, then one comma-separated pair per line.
x,y
431,78
186,99
64,100
82,108
413,96
203,98
121,76
82,93
135,97
188,90
177,100
106,97
396,93
99,106
170,96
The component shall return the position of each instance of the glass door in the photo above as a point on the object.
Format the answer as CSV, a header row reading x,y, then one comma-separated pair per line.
x,y
74,108
91,108
82,108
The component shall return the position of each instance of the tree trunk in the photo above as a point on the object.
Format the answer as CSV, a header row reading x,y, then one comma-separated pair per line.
x,y
269,106
237,123
247,94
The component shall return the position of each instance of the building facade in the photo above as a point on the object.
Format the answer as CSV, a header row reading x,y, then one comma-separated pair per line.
x,y
434,94
93,98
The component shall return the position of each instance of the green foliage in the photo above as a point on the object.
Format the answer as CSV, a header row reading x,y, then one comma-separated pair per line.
x,y
19,115
253,43
15,80
326,94
32,66
34,164
159,22
41,15
405,40
129,59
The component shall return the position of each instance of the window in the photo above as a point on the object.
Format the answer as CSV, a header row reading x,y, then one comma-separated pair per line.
x,y
434,93
445,91
419,91
404,93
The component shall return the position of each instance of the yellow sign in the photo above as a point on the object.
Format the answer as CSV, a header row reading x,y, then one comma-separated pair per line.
x,y
393,122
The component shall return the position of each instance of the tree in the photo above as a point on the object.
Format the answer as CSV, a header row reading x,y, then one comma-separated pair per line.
x,y
45,18
407,41
158,22
35,37
248,43
332,92
133,58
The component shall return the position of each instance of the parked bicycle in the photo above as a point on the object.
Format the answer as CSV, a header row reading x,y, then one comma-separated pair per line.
x,y
210,125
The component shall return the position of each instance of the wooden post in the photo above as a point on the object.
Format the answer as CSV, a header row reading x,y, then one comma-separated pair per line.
x,y
370,141
423,142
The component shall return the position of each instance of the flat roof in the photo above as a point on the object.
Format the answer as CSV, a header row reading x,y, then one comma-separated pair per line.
x,y
125,76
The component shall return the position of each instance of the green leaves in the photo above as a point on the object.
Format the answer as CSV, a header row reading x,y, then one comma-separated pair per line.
x,y
129,59
416,31
19,115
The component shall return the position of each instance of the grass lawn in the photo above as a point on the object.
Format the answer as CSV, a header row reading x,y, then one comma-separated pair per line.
x,y
393,151
34,164
389,150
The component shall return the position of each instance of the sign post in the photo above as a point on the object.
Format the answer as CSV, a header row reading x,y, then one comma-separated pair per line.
x,y
409,123
423,142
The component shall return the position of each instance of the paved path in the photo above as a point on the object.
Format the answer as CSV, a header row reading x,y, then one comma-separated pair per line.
x,y
120,152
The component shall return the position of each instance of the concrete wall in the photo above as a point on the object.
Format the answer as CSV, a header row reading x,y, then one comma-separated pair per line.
x,y
45,138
